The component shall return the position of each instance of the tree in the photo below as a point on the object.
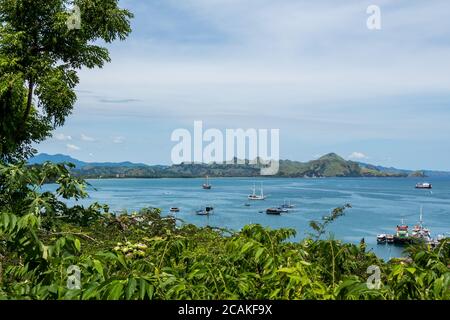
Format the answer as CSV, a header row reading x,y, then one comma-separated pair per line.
x,y
40,55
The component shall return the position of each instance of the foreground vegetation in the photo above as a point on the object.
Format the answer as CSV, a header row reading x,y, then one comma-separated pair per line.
x,y
43,242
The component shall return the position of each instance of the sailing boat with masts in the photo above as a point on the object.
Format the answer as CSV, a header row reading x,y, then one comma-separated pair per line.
x,y
254,196
420,232
206,185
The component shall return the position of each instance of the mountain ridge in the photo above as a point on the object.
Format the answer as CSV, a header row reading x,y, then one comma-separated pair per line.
x,y
329,165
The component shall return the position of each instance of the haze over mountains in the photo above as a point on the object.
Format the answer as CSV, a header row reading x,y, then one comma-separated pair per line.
x,y
330,165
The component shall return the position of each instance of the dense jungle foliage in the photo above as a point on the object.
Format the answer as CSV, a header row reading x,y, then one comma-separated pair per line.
x,y
47,246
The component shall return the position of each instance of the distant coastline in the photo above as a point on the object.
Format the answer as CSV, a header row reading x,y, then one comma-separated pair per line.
x,y
328,166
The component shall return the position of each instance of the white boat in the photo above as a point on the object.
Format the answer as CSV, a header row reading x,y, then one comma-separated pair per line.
x,y
419,231
254,196
424,185
381,238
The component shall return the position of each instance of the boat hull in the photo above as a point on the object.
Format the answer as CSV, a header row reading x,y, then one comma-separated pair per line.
x,y
275,212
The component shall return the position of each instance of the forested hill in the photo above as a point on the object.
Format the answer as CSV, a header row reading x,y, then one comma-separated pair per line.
x,y
330,165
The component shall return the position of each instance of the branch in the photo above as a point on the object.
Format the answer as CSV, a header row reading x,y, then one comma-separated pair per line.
x,y
74,234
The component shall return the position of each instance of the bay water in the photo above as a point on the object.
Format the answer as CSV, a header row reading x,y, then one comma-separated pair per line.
x,y
378,204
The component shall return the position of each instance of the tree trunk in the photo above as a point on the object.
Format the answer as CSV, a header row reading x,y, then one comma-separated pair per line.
x,y
29,101
21,130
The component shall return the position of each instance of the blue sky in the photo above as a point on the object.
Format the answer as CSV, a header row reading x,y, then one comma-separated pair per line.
x,y
309,68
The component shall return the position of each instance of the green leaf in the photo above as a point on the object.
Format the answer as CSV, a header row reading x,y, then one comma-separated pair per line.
x,y
116,291
98,267
131,288
142,287
77,244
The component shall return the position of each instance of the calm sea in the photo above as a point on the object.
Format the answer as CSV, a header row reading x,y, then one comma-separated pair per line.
x,y
379,204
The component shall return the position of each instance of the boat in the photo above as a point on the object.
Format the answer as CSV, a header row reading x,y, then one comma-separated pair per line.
x,y
381,238
174,209
254,196
419,232
274,211
207,185
390,238
402,235
424,185
247,204
286,205
205,211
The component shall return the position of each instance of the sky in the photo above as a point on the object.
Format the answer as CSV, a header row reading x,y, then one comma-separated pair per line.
x,y
309,68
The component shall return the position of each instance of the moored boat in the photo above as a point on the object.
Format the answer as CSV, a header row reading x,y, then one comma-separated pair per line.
x,y
381,238
207,185
287,205
402,235
274,211
421,233
174,209
254,196
390,238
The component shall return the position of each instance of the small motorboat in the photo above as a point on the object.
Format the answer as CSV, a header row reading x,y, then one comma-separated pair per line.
x,y
274,211
205,212
381,238
247,204
174,209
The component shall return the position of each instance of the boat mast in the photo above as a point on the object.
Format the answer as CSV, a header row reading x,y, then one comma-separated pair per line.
x,y
421,216
262,190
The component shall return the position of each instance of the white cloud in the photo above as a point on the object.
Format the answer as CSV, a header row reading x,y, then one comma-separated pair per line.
x,y
72,147
62,137
118,140
358,156
87,138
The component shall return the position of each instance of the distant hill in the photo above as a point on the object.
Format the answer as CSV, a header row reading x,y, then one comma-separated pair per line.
x,y
330,165
59,158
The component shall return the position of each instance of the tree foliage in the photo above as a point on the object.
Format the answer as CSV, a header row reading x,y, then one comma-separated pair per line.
x,y
39,60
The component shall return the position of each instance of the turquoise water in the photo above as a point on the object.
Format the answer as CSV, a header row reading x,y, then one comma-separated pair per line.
x,y
379,204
